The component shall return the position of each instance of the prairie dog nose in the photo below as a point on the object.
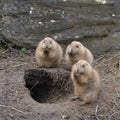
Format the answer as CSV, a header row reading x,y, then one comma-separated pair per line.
x,y
46,50
71,53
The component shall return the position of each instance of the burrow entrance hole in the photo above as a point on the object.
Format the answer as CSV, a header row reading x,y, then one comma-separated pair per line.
x,y
49,88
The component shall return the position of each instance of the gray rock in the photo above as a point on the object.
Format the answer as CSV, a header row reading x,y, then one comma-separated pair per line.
x,y
26,22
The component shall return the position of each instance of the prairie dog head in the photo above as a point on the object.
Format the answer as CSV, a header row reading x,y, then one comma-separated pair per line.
x,y
81,71
75,48
47,45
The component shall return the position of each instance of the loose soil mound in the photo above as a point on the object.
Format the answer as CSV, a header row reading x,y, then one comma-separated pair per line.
x,y
48,85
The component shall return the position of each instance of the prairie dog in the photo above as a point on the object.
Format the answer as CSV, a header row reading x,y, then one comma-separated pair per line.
x,y
48,53
75,52
86,81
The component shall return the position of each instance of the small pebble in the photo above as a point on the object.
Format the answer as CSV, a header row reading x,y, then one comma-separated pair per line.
x,y
113,15
64,0
40,23
30,11
32,8
65,117
52,21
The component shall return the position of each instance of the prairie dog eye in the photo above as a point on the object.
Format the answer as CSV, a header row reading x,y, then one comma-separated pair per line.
x,y
44,41
83,66
77,46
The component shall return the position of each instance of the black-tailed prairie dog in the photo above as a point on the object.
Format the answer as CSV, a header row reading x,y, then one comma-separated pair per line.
x,y
86,81
48,53
75,51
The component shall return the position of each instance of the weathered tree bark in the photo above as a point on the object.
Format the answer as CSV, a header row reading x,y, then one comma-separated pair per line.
x,y
48,84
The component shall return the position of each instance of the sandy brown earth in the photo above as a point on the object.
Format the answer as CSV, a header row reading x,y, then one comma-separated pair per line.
x,y
16,103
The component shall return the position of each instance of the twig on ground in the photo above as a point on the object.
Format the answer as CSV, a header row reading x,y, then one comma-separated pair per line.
x,y
13,108
98,59
113,57
112,114
17,100
19,65
14,66
97,117
110,108
64,117
3,51
96,110
100,63
34,85
113,72
117,92
107,60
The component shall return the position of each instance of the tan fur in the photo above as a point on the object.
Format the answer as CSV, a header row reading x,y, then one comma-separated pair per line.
x,y
79,51
48,53
86,81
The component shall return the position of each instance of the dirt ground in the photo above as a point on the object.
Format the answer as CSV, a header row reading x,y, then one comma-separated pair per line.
x,y
17,104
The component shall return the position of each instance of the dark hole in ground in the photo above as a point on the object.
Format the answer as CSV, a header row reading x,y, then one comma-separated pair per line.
x,y
40,93
48,87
